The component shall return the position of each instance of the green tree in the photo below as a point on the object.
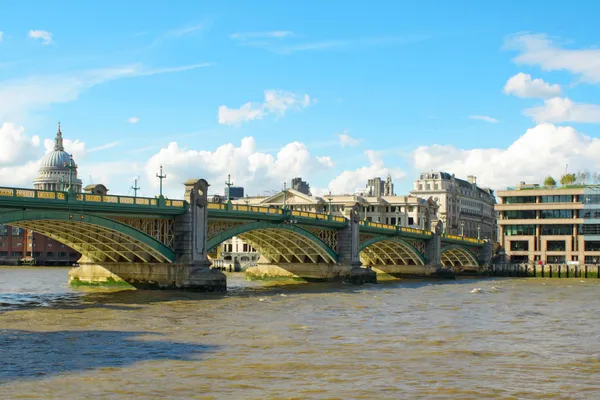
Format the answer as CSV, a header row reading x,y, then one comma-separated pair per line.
x,y
568,179
549,181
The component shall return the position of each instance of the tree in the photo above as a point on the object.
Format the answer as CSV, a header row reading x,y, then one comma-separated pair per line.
x,y
585,176
549,181
568,179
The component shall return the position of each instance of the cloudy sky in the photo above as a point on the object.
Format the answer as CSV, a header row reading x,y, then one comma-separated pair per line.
x,y
266,91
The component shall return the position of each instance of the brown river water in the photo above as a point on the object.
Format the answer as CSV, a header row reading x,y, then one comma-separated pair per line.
x,y
410,339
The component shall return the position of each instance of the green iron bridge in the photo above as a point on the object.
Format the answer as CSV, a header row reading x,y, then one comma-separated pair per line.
x,y
136,238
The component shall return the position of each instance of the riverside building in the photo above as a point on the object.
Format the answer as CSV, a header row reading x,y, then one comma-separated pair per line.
x,y
550,225
465,208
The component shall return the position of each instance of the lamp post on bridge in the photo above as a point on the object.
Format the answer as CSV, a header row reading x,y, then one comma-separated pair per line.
x,y
71,166
329,198
229,185
246,200
62,183
478,231
284,196
135,188
462,228
161,177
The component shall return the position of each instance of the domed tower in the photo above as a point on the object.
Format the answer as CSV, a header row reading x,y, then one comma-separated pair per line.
x,y
57,169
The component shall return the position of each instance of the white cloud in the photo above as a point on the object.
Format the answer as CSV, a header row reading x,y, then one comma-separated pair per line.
x,y
348,181
543,150
347,140
253,35
286,42
16,147
564,110
522,85
44,36
74,147
484,118
276,102
19,96
104,146
538,49
247,166
133,120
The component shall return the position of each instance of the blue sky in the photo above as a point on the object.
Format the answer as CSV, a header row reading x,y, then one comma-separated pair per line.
x,y
410,85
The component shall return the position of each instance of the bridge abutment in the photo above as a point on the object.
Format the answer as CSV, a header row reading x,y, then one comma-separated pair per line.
x,y
163,276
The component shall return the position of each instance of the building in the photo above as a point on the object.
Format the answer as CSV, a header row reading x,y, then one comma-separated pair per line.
x,y
301,186
234,255
407,211
234,192
550,225
376,187
57,171
464,208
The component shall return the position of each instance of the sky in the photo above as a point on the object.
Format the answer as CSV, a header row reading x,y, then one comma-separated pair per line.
x,y
335,92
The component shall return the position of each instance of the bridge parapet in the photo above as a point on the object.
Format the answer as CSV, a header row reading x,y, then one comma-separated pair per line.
x,y
33,197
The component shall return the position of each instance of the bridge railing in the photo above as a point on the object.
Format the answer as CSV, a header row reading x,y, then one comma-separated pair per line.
x,y
379,225
462,238
86,197
274,210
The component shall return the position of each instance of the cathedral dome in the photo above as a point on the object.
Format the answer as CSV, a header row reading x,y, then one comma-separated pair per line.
x,y
57,169
57,159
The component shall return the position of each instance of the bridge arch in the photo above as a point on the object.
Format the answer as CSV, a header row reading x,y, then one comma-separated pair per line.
x,y
98,238
386,250
458,256
279,242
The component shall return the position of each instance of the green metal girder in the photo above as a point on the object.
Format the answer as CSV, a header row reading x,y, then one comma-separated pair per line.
x,y
461,242
257,225
392,233
37,215
19,203
468,253
253,216
384,238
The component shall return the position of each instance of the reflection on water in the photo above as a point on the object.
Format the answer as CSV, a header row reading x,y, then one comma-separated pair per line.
x,y
521,338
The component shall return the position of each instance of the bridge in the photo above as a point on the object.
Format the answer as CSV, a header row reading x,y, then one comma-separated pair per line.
x,y
163,243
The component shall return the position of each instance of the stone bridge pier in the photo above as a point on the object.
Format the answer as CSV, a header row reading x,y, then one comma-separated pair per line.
x,y
348,267
190,268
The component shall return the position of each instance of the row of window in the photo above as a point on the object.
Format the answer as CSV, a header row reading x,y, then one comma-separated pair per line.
x,y
553,245
563,229
543,199
514,230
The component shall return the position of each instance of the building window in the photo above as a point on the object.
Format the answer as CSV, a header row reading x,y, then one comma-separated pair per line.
x,y
62,254
557,229
556,214
513,230
591,199
555,245
519,245
519,199
519,214
592,246
556,259
557,199
590,229
49,254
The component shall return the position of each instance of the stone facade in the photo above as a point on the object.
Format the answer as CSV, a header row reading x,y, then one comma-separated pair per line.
x,y
464,208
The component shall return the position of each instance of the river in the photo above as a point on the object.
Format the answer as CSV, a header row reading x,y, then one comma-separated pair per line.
x,y
410,339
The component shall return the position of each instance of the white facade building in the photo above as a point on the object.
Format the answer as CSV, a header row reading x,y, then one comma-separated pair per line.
x,y
464,208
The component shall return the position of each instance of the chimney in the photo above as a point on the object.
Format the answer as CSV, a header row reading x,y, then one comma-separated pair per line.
x,y
472,179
